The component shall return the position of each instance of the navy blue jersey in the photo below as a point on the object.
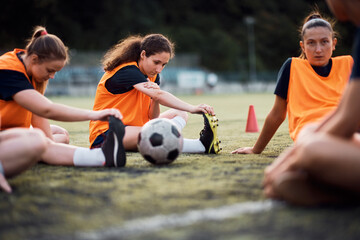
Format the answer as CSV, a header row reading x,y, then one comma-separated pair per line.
x,y
12,82
124,80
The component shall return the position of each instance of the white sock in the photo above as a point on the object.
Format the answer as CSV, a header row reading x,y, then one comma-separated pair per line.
x,y
85,157
179,122
193,146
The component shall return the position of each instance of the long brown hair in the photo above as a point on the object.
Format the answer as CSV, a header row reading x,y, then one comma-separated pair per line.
x,y
47,47
315,19
129,49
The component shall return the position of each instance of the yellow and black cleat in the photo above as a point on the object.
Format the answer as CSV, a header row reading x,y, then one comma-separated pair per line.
x,y
208,135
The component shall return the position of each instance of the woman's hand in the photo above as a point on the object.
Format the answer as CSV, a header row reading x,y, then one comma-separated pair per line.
x,y
103,115
288,161
203,108
151,85
244,150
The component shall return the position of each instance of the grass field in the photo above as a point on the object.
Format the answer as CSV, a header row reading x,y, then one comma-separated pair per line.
x,y
196,197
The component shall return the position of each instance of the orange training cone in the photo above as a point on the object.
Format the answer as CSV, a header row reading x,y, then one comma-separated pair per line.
x,y
251,125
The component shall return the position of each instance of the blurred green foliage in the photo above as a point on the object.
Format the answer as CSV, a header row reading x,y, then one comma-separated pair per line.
x,y
214,29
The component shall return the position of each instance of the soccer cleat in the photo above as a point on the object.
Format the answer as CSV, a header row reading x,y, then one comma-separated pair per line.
x,y
208,136
113,147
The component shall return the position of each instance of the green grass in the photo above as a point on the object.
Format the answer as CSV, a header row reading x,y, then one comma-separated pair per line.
x,y
54,202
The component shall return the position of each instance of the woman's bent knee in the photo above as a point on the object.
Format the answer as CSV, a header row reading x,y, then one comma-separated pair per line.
x,y
171,113
38,141
315,150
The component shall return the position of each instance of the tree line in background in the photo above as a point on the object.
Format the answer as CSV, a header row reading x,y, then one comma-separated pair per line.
x,y
215,30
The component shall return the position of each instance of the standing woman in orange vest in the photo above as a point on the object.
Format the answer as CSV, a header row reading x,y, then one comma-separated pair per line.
x,y
130,84
23,78
308,87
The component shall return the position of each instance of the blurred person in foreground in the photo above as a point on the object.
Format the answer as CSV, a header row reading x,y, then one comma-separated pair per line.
x,y
323,166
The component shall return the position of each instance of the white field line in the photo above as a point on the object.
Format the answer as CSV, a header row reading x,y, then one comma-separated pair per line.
x,y
160,222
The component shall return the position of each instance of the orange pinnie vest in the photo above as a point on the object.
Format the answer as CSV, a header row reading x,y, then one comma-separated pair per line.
x,y
311,96
12,114
133,105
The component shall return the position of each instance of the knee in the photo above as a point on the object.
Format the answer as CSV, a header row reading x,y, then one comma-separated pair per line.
x,y
313,150
175,113
306,132
184,115
38,140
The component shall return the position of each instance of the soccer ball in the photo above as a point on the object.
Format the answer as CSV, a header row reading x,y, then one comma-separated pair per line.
x,y
160,142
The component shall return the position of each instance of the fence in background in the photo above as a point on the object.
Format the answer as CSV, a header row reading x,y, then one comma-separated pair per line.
x,y
182,75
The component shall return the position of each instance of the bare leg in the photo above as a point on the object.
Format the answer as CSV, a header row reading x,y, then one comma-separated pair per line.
x,y
334,161
132,132
59,154
111,154
60,134
298,189
171,113
356,139
332,171
307,131
131,137
20,149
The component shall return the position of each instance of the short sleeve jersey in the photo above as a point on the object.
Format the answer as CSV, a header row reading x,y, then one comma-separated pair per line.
x,y
124,80
12,82
13,79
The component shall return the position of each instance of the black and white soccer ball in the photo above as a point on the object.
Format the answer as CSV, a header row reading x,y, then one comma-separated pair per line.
x,y
160,142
